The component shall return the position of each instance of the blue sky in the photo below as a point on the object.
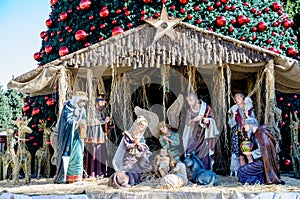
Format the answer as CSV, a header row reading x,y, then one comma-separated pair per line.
x,y
21,22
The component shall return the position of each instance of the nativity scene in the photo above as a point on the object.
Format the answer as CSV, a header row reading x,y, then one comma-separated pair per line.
x,y
166,105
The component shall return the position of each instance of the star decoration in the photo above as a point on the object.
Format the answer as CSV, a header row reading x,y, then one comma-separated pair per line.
x,y
164,25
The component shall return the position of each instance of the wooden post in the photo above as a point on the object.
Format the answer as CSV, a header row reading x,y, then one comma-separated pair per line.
x,y
91,94
63,86
270,95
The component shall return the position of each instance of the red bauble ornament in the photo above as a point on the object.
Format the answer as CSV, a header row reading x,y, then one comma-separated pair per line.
x,y
35,111
253,10
273,49
37,56
254,29
233,7
291,52
63,16
218,3
118,11
242,19
266,10
43,34
184,1
64,50
50,102
258,13
26,108
117,30
147,1
127,13
224,1
276,6
221,21
80,35
49,22
287,162
85,4
281,99
53,2
164,1
190,16
254,37
92,28
182,10
269,41
295,96
199,21
129,25
231,29
287,24
48,49
262,26
196,8
104,12
210,8
102,26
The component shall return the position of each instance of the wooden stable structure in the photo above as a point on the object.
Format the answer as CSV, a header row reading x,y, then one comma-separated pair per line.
x,y
225,65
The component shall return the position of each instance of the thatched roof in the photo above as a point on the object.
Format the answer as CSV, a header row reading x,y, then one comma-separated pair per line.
x,y
193,46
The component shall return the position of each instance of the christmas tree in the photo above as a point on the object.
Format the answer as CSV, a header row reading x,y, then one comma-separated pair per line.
x,y
75,24
293,9
289,104
39,108
10,106
5,110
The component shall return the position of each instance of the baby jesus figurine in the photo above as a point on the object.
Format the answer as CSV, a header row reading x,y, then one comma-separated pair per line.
x,y
161,163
